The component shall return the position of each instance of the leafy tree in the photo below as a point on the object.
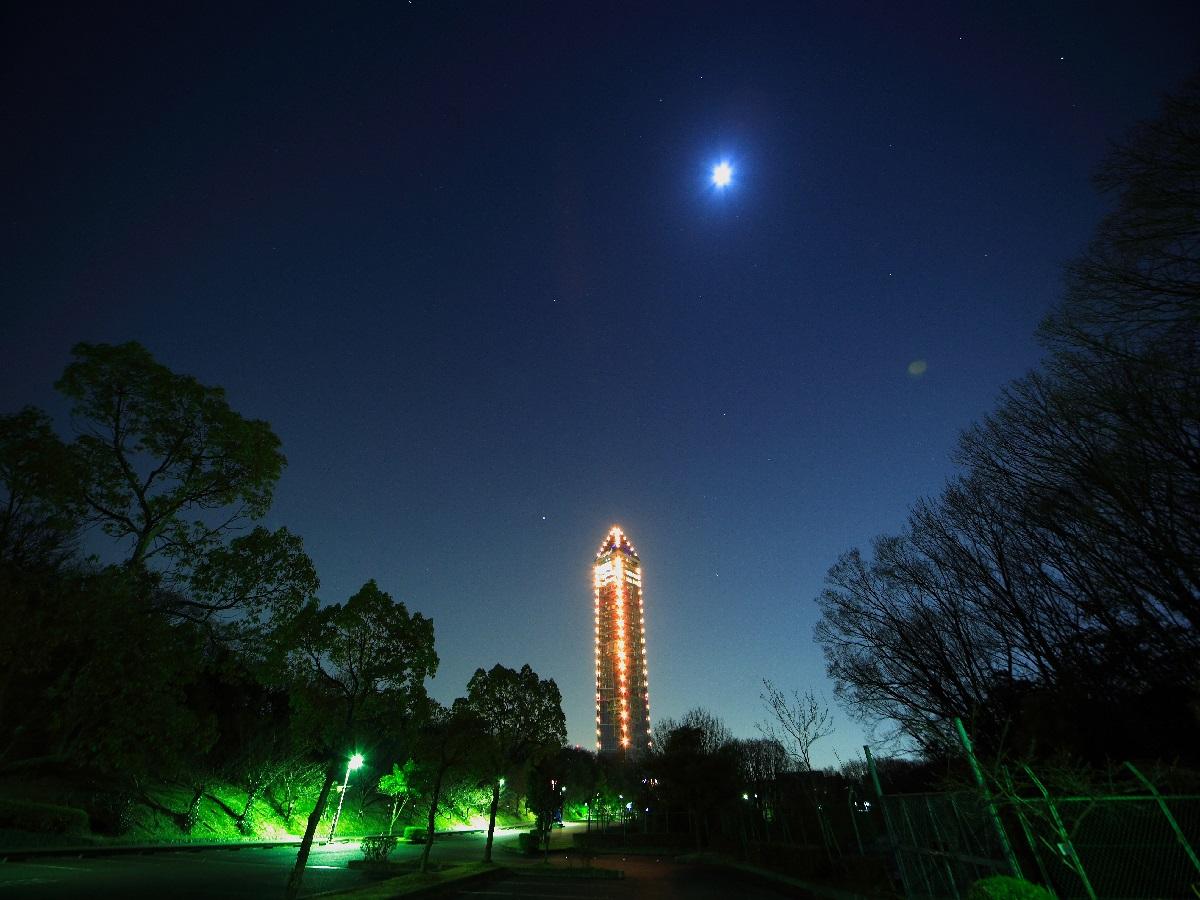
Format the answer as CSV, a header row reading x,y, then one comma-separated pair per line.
x,y
398,786
522,715
585,779
761,765
154,446
39,515
465,797
169,470
355,668
448,744
97,682
695,762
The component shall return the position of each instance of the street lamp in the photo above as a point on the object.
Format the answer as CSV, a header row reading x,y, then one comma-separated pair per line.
x,y
356,762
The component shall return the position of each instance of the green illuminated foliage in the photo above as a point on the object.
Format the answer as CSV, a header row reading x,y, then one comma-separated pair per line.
x,y
357,667
398,786
448,746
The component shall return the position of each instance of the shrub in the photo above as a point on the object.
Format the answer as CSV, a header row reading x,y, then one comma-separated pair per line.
x,y
414,834
45,818
1005,887
530,841
376,849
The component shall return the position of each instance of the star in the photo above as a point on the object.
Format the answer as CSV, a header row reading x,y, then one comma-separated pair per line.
x,y
722,174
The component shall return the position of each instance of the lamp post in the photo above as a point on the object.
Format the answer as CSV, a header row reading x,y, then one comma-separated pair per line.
x,y
356,762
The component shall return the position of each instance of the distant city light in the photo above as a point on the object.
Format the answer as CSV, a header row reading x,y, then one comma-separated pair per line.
x,y
722,174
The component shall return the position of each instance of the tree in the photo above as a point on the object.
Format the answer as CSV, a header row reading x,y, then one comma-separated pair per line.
x,y
169,470
761,763
355,667
1051,594
695,761
397,785
155,446
1138,284
523,718
39,515
448,742
804,719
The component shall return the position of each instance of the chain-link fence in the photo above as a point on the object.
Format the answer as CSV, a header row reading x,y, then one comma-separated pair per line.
x,y
943,842
1112,846
1100,847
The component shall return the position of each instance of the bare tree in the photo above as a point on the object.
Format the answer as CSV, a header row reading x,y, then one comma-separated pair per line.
x,y
1053,590
802,719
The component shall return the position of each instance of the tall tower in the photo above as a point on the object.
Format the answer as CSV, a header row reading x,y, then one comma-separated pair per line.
x,y
622,681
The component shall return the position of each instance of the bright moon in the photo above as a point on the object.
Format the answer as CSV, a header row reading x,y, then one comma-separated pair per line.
x,y
722,174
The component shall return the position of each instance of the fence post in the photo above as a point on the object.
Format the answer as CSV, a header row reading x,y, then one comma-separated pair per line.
x,y
893,843
887,818
854,820
1067,847
1162,804
1009,856
1030,840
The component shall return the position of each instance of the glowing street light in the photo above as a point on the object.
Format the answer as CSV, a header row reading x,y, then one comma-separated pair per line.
x,y
356,762
722,174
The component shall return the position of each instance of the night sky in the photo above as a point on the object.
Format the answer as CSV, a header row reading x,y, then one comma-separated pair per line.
x,y
468,261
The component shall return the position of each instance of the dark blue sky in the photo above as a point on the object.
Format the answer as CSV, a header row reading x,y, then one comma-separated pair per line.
x,y
466,260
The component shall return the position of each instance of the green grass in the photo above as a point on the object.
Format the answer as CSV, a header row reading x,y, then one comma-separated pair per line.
x,y
155,818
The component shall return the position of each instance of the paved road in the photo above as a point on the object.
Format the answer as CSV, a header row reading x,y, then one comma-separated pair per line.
x,y
185,875
645,878
261,875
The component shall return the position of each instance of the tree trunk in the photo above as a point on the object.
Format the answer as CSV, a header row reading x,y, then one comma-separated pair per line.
x,y
433,805
314,819
244,816
487,847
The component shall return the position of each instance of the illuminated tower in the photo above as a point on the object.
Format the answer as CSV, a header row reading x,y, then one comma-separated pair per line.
x,y
622,681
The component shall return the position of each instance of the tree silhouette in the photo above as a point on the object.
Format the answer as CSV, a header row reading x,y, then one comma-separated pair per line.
x,y
522,715
354,668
